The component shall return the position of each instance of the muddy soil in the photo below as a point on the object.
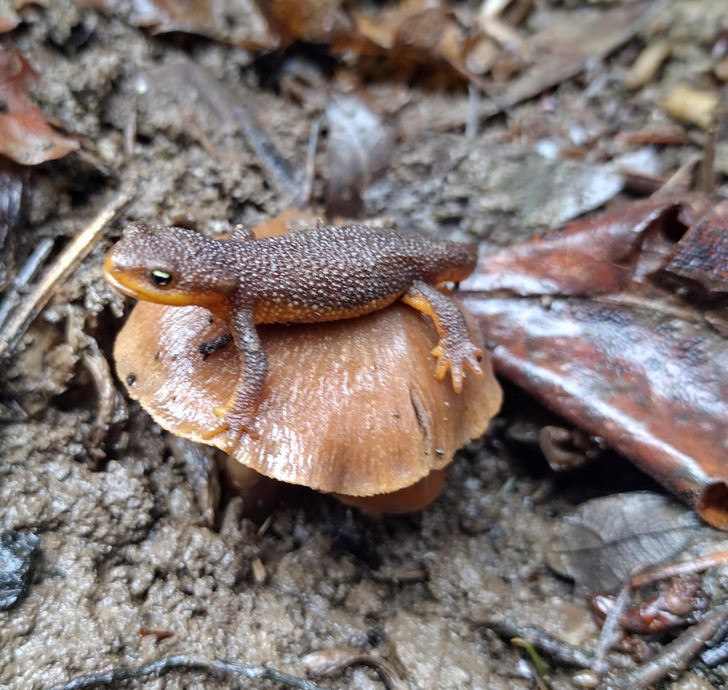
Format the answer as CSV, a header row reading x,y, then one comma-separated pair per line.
x,y
139,537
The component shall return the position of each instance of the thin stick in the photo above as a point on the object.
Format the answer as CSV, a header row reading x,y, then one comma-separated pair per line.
x,y
25,275
310,169
183,662
694,565
611,631
677,655
67,262
541,640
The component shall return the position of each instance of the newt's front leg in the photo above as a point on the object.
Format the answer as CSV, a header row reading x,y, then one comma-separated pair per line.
x,y
239,412
456,347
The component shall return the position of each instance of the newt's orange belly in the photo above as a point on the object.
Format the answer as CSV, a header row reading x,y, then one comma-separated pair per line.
x,y
288,312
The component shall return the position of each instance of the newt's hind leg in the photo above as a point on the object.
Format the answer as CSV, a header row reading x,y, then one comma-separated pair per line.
x,y
456,347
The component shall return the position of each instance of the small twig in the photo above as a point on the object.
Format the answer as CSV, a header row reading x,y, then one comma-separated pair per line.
x,y
706,170
611,630
716,652
310,169
694,565
560,651
675,656
25,275
720,636
471,124
65,264
283,176
100,371
183,662
332,662
680,179
129,133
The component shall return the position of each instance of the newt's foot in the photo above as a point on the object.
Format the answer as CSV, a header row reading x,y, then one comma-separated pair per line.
x,y
453,355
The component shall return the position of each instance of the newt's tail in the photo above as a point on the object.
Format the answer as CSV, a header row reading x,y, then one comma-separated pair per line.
x,y
459,264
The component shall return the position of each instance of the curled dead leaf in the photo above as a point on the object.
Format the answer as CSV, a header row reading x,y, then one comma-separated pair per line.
x,y
25,135
600,542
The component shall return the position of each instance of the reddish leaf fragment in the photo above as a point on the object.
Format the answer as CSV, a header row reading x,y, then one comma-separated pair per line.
x,y
654,386
418,31
412,33
159,635
669,607
592,256
702,254
638,367
316,20
25,136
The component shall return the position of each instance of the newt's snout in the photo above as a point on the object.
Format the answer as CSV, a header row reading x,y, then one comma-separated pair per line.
x,y
115,275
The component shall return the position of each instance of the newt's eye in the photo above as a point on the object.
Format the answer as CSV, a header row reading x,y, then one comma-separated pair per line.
x,y
160,277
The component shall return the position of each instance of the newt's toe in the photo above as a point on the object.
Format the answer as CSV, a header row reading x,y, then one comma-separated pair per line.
x,y
215,431
234,423
455,356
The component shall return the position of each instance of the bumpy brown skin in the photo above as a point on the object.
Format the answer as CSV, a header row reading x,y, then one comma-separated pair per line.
x,y
321,274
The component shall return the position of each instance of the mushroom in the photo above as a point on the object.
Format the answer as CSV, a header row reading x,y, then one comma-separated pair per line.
x,y
350,407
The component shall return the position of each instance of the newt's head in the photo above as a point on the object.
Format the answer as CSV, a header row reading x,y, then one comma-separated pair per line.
x,y
169,265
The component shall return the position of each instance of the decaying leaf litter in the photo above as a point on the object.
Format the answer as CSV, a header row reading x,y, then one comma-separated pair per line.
x,y
125,541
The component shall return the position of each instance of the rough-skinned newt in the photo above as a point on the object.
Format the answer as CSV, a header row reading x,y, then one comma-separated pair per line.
x,y
321,274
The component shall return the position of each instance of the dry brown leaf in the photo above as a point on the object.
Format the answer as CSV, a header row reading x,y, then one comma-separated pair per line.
x,y
577,260
621,357
25,135
411,34
320,21
563,49
600,542
701,255
358,149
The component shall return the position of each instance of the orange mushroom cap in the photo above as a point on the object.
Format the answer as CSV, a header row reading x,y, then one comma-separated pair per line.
x,y
350,407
